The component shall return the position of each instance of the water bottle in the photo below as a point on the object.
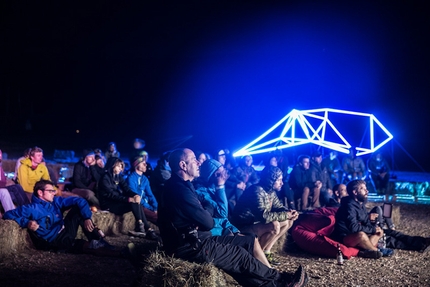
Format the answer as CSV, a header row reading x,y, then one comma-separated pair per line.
x,y
339,255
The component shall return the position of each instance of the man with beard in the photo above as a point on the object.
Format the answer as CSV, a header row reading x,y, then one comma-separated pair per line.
x,y
259,211
354,227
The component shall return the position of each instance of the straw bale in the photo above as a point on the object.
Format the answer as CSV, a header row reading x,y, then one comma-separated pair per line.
x,y
13,238
112,224
161,270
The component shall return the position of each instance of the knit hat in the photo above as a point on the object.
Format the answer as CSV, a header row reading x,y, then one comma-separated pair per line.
x,y
137,160
269,175
89,152
208,168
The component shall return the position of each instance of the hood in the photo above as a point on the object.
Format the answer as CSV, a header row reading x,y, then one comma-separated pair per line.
x,y
208,168
268,177
110,163
26,161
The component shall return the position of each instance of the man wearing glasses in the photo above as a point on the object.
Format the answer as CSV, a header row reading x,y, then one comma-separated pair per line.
x,y
50,231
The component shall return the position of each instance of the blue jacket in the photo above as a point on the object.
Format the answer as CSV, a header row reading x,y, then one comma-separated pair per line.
x,y
139,184
217,199
47,214
214,200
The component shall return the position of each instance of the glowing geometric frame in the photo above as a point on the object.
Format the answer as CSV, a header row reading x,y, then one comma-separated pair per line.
x,y
314,135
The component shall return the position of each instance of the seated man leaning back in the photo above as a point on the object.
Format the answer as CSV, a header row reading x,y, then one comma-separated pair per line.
x,y
49,231
185,229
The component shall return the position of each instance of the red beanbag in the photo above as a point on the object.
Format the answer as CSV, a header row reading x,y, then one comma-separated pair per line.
x,y
311,231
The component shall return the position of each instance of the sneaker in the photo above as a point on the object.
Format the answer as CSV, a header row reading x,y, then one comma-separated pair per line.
x,y
272,259
300,278
374,254
96,244
386,252
137,233
140,227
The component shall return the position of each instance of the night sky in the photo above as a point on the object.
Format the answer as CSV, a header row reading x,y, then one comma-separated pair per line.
x,y
209,74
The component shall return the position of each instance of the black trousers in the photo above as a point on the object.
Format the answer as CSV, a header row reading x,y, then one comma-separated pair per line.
x,y
119,208
65,241
234,255
398,240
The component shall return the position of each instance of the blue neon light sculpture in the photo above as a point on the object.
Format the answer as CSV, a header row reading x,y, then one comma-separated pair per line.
x,y
316,127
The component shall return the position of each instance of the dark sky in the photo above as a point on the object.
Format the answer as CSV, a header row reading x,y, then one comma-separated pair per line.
x,y
220,71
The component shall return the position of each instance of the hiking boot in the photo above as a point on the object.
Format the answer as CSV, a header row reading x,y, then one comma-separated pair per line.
x,y
300,278
272,259
386,252
374,254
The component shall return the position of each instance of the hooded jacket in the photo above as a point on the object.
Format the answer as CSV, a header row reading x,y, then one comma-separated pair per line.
x,y
113,188
215,198
27,176
47,214
256,205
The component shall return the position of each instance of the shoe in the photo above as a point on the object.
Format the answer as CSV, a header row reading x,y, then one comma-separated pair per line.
x,y
386,252
137,233
426,245
140,227
300,278
272,259
374,254
96,244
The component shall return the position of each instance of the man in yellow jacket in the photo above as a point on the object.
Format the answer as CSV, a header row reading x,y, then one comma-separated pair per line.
x,y
31,170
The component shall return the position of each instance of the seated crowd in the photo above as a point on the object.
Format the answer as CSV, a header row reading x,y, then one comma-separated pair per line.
x,y
207,207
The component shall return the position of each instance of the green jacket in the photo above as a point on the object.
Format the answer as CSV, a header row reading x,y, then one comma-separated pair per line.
x,y
258,206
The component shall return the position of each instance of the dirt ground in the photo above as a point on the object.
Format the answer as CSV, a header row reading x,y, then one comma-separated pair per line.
x,y
405,268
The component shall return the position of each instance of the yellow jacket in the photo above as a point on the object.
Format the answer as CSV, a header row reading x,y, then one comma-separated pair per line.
x,y
27,176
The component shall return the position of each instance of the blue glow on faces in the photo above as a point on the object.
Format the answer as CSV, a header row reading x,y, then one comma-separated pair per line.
x,y
317,133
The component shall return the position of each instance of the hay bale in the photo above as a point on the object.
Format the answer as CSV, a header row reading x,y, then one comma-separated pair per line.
x,y
161,270
13,238
112,224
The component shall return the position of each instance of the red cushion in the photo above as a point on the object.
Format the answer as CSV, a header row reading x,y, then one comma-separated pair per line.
x,y
311,233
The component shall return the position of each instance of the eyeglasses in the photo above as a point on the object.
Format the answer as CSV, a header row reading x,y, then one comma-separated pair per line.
x,y
50,190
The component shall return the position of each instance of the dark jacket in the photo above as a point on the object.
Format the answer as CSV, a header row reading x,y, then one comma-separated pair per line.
x,y
319,172
181,211
113,188
48,215
300,178
85,177
352,217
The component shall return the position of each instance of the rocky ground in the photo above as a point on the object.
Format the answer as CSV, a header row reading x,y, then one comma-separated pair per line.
x,y
405,268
